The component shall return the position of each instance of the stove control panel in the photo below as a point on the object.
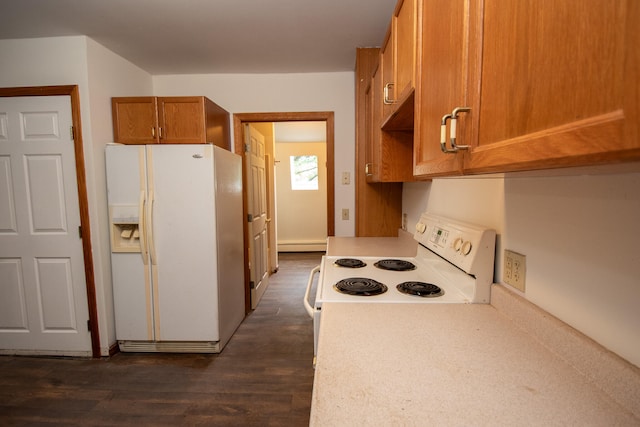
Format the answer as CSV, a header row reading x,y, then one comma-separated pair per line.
x,y
468,246
439,236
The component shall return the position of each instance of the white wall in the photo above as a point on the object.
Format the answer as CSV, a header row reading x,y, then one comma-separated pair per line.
x,y
99,75
302,214
579,230
259,93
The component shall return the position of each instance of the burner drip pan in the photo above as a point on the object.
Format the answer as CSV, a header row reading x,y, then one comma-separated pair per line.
x,y
395,265
360,286
350,263
421,289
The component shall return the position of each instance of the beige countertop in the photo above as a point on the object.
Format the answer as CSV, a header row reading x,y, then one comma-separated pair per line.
x,y
465,364
402,246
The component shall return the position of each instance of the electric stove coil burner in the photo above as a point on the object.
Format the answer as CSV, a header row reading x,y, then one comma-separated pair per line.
x,y
421,289
350,263
360,286
395,265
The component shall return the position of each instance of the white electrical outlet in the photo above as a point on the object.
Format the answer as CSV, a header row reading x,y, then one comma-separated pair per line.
x,y
515,269
345,214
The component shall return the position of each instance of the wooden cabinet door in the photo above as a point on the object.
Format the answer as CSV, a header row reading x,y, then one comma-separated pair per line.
x,y
443,61
387,77
559,84
399,67
374,161
405,48
182,120
135,120
369,131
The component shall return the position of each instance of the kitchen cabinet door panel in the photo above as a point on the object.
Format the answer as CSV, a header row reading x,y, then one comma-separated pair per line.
x,y
405,48
443,66
388,88
182,120
135,120
399,67
554,87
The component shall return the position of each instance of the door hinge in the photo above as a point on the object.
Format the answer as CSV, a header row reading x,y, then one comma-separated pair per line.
x,y
249,218
80,231
72,133
252,284
246,148
89,325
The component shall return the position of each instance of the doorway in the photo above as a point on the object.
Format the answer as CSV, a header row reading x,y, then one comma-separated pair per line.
x,y
240,122
301,186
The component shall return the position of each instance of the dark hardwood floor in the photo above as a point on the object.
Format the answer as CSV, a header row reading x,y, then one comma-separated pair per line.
x,y
263,377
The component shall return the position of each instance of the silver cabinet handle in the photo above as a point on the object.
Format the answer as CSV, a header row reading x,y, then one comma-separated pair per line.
x,y
452,131
386,100
367,168
443,134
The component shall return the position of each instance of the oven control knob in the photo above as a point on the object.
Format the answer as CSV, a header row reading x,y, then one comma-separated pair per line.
x,y
457,244
421,227
466,248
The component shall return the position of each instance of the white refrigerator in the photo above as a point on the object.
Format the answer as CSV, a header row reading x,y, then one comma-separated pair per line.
x,y
176,221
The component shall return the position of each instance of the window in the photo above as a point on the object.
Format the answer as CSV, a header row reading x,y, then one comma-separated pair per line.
x,y
304,172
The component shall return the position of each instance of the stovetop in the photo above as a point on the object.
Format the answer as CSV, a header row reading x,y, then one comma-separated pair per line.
x,y
455,256
434,271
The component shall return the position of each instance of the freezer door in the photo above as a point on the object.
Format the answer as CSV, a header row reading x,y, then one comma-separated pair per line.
x,y
182,242
131,276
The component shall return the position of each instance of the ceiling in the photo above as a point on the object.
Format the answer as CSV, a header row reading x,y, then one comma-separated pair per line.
x,y
211,36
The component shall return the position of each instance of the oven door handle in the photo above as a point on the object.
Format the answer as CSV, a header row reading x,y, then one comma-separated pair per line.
x,y
307,305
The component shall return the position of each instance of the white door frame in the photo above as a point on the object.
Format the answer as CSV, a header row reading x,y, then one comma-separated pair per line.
x,y
73,92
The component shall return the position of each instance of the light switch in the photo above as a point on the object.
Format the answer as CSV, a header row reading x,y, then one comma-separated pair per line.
x,y
346,178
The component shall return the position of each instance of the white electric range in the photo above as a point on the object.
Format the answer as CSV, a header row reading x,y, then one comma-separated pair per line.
x,y
453,264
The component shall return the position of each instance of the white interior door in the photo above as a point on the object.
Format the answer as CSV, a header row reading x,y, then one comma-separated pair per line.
x,y
43,299
257,197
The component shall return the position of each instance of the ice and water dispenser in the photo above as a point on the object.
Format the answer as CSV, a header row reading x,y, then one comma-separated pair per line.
x,y
125,228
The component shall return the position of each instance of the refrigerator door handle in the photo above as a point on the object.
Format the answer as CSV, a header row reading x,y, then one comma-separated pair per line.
x,y
142,229
151,242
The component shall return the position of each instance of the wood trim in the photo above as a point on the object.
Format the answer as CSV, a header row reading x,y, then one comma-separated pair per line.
x,y
238,131
73,92
114,349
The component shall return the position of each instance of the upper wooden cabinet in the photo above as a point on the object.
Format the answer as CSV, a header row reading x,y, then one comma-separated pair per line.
x,y
378,210
549,83
170,120
398,64
388,154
